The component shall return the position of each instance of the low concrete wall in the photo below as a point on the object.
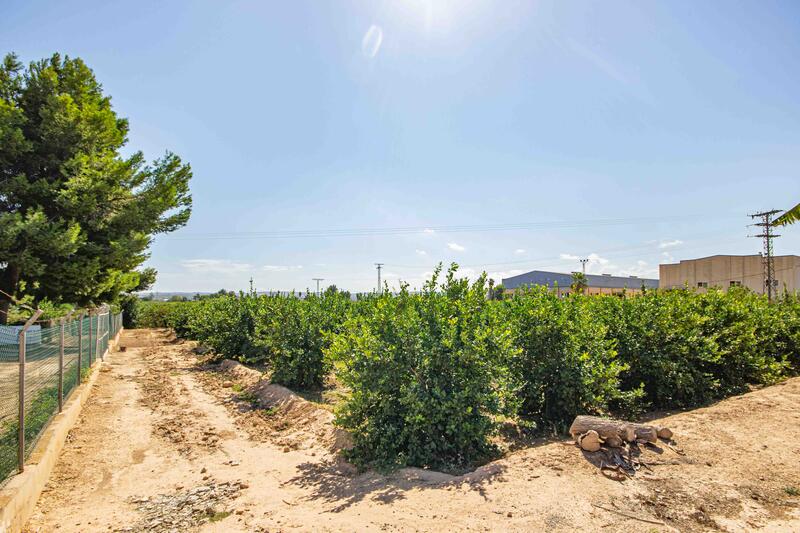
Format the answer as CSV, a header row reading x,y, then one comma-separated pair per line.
x,y
18,498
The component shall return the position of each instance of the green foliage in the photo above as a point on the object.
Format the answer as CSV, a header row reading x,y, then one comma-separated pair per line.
x,y
745,330
567,364
76,217
130,304
426,374
789,217
788,310
296,332
39,412
579,282
688,348
660,336
496,292
227,324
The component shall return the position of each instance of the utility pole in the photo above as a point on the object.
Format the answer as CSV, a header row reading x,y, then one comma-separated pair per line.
x,y
379,266
318,280
767,235
583,265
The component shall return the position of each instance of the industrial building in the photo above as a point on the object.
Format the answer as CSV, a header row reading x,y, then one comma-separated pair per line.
x,y
726,271
595,284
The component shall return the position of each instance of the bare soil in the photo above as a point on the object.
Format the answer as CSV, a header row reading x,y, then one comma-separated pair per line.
x,y
167,444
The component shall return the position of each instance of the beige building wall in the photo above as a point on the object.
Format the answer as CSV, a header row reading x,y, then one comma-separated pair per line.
x,y
725,271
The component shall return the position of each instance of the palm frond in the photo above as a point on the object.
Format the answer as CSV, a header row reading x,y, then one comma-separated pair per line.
x,y
789,217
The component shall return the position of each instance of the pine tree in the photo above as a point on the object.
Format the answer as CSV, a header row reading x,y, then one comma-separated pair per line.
x,y
76,217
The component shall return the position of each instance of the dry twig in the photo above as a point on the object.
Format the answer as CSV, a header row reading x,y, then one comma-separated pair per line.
x,y
629,515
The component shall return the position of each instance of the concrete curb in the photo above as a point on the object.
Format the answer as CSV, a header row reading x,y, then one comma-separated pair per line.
x,y
18,498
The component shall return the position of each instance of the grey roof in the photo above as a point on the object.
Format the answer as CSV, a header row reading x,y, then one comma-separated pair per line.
x,y
551,279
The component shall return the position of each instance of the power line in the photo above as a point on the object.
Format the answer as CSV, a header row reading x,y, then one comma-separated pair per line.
x,y
767,235
609,252
406,230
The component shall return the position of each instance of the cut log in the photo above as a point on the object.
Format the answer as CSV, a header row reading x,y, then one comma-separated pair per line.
x,y
645,432
610,429
613,441
665,433
605,427
589,441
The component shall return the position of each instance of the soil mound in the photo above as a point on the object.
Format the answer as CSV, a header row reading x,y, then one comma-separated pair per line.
x,y
308,425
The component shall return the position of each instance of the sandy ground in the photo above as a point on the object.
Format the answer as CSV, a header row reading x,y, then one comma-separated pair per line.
x,y
164,445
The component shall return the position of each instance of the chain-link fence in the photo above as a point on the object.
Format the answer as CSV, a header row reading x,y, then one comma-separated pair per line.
x,y
40,365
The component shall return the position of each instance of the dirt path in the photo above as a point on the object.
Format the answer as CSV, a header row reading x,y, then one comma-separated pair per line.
x,y
165,446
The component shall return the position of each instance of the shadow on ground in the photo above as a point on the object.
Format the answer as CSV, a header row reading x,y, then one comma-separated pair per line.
x,y
336,482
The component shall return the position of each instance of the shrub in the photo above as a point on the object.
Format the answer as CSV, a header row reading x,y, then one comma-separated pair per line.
x,y
426,376
788,310
660,336
151,314
567,365
745,330
429,375
227,325
296,332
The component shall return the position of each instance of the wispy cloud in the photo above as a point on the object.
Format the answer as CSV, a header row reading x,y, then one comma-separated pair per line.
x,y
598,264
595,259
519,251
670,244
421,252
372,40
428,231
216,266
455,247
281,268
498,277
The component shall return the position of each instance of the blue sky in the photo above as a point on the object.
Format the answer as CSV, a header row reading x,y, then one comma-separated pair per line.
x,y
505,136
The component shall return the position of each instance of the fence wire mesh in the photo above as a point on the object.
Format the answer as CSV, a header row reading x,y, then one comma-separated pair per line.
x,y
58,357
9,400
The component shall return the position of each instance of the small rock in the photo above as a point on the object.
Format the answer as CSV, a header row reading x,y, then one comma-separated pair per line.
x,y
227,384
509,514
203,470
